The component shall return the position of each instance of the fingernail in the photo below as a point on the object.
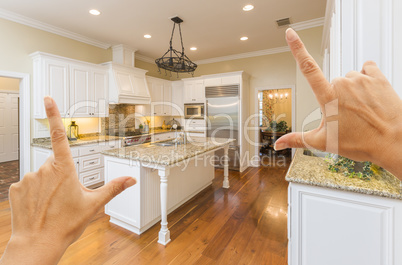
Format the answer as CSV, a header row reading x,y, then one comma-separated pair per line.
x,y
48,102
129,182
280,146
291,35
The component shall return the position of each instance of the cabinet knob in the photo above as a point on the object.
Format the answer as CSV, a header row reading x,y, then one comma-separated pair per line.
x,y
91,163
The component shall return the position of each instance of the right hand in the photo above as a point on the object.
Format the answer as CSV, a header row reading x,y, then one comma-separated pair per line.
x,y
361,113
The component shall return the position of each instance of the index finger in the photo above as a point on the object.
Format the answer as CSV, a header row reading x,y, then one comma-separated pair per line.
x,y
60,146
308,66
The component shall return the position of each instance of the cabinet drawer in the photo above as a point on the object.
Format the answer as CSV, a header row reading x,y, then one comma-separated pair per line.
x,y
92,177
195,123
89,150
90,162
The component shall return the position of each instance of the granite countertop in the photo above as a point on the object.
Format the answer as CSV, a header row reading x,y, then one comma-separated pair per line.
x,y
314,171
46,142
168,155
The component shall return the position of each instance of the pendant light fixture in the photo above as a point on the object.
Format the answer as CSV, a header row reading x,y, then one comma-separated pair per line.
x,y
173,60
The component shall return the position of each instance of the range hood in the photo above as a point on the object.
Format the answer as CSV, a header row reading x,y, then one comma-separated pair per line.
x,y
127,84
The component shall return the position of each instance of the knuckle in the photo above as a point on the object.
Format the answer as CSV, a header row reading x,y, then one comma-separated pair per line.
x,y
308,66
297,45
116,190
369,62
58,135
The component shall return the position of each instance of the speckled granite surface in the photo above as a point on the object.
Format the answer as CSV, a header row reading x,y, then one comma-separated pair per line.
x,y
314,171
89,139
46,143
168,155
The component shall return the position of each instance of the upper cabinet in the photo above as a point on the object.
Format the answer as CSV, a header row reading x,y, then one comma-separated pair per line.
x,y
161,98
127,85
79,89
356,31
177,98
194,90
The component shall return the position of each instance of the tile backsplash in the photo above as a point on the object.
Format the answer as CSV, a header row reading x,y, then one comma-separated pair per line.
x,y
121,119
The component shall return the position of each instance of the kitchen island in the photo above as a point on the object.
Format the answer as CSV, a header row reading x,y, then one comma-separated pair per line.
x,y
188,168
333,219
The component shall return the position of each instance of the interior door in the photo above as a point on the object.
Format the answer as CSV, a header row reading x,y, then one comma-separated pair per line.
x,y
8,127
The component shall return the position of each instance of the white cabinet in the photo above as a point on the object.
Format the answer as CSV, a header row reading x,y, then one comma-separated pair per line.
x,y
356,31
163,136
335,227
51,77
177,99
161,97
88,160
198,125
194,91
80,89
223,80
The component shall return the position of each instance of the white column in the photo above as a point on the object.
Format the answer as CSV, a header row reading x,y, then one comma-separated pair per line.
x,y
164,233
226,167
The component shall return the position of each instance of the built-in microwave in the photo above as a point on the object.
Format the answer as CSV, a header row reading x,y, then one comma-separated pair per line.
x,y
194,111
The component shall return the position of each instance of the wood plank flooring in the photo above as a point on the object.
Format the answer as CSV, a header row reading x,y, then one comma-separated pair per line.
x,y
246,224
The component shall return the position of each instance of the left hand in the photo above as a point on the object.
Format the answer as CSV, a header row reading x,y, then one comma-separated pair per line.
x,y
50,208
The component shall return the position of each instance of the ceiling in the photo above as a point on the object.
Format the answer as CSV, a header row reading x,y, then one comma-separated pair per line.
x,y
214,27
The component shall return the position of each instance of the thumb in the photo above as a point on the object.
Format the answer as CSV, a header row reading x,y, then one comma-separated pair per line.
x,y
297,140
113,188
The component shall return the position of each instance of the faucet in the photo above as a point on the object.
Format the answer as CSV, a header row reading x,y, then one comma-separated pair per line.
x,y
181,137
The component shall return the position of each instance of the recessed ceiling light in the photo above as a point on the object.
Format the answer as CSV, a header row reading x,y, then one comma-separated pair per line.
x,y
147,36
244,38
248,7
193,48
94,12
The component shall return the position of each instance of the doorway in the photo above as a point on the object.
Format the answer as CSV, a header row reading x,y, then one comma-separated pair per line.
x,y
275,109
9,134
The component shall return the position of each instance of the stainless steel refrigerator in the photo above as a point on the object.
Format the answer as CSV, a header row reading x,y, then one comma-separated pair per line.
x,y
222,103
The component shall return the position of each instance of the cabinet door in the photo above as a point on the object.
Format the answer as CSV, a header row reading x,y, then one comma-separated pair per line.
x,y
177,100
57,84
188,92
199,91
157,97
167,99
99,93
80,87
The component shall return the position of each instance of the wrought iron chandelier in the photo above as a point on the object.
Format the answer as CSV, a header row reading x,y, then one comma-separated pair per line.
x,y
173,60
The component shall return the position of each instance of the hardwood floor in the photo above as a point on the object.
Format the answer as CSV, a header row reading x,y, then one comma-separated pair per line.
x,y
246,224
9,174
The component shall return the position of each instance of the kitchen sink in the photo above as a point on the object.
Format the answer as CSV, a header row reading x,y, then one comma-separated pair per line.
x,y
317,153
166,143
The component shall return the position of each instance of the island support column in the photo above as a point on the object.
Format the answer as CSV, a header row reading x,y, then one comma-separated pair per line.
x,y
226,167
164,233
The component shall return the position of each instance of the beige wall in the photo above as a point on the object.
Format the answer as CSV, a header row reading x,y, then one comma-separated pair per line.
x,y
152,69
18,41
305,98
10,84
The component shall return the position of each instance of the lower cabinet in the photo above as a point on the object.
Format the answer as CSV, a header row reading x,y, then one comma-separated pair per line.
x,y
163,136
88,160
332,227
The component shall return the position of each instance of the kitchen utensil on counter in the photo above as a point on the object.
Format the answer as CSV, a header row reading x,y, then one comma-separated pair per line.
x,y
164,126
72,131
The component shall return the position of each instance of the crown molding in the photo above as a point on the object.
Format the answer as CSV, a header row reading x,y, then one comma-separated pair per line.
x,y
308,24
8,15
144,58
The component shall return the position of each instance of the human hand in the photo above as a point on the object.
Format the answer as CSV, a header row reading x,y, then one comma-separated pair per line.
x,y
361,113
50,208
